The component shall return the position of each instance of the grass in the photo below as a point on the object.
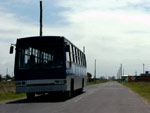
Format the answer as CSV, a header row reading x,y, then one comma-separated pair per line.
x,y
97,82
142,88
7,91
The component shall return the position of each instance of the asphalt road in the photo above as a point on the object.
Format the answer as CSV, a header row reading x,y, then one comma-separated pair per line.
x,y
110,97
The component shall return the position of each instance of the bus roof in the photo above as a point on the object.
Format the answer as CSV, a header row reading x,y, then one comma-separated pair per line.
x,y
47,37
40,37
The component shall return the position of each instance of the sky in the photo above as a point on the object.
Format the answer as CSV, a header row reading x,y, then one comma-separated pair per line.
x,y
113,32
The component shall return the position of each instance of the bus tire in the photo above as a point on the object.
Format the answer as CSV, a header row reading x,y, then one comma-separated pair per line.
x,y
81,90
68,94
72,88
30,96
83,83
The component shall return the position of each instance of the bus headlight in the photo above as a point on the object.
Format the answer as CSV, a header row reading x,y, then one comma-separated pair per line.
x,y
65,81
20,83
57,81
60,81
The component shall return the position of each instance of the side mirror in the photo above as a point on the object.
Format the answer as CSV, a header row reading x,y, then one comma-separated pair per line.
x,y
11,49
67,48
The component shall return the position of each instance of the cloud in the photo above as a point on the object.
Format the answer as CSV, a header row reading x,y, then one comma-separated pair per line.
x,y
106,28
6,60
113,31
11,29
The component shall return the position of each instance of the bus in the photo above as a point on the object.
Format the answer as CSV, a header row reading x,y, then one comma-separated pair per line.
x,y
45,64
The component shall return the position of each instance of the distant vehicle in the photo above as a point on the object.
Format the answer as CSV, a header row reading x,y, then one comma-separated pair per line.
x,y
45,64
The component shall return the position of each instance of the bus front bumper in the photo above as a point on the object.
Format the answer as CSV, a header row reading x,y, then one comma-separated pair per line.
x,y
40,89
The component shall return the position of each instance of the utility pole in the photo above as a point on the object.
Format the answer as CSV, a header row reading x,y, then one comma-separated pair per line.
x,y
121,70
143,68
135,73
95,72
41,18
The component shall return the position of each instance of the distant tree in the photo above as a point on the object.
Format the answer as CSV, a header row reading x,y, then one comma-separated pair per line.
x,y
89,75
8,77
13,78
112,78
102,78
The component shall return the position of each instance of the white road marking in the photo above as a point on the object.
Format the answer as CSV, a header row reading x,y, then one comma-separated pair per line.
x,y
78,99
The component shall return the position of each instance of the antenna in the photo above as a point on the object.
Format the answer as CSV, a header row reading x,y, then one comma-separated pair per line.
x,y
40,17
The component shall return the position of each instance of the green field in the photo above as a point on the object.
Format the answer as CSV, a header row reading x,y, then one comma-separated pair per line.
x,y
141,88
7,91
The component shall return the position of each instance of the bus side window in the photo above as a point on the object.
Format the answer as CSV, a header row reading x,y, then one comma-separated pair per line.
x,y
84,60
77,56
68,59
71,55
75,61
67,56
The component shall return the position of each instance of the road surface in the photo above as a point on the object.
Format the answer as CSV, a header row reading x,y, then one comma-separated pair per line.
x,y
110,97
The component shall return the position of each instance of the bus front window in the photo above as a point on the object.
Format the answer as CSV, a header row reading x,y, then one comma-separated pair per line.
x,y
45,57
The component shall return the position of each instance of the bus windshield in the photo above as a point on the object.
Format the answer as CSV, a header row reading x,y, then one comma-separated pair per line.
x,y
44,57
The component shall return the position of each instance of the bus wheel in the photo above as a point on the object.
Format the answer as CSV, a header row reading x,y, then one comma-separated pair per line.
x,y
30,96
68,94
81,90
72,87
